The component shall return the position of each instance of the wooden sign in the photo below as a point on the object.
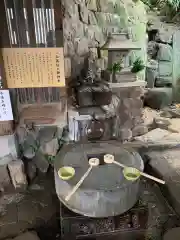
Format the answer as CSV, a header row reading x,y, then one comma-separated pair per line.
x,y
5,106
34,67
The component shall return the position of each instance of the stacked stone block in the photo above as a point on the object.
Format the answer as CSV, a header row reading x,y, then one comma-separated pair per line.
x,y
87,24
129,122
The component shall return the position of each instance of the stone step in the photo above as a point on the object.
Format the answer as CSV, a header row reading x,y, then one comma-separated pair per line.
x,y
163,81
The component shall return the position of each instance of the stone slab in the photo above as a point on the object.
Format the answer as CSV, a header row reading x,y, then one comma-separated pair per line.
x,y
153,136
18,177
9,146
128,84
166,163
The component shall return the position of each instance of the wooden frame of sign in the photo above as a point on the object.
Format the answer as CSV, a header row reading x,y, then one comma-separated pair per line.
x,y
34,67
6,127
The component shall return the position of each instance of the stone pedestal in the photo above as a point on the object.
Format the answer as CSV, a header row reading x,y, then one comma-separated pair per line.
x,y
9,148
128,122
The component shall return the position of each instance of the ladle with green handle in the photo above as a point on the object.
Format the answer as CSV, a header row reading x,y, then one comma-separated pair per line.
x,y
108,158
93,162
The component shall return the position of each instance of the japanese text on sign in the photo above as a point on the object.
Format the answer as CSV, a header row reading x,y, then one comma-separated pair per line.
x,y
5,106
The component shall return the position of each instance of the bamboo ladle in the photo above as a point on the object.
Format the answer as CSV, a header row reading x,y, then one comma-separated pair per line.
x,y
108,158
93,162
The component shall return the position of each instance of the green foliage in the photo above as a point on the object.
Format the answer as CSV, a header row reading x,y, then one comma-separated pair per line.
x,y
168,8
116,67
138,65
174,3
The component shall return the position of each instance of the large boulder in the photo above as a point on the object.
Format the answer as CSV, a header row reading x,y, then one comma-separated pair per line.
x,y
158,98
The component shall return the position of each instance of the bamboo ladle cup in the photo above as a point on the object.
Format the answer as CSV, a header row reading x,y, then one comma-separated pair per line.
x,y
93,162
108,158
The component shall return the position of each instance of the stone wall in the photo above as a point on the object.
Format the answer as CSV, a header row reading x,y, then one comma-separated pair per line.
x,y
87,24
160,67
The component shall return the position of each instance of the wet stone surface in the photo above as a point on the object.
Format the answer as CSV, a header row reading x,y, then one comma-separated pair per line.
x,y
30,209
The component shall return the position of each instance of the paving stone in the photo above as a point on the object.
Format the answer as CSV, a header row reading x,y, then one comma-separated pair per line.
x,y
154,135
41,162
18,177
139,130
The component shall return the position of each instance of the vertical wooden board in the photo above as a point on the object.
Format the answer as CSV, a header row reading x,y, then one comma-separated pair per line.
x,y
5,41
